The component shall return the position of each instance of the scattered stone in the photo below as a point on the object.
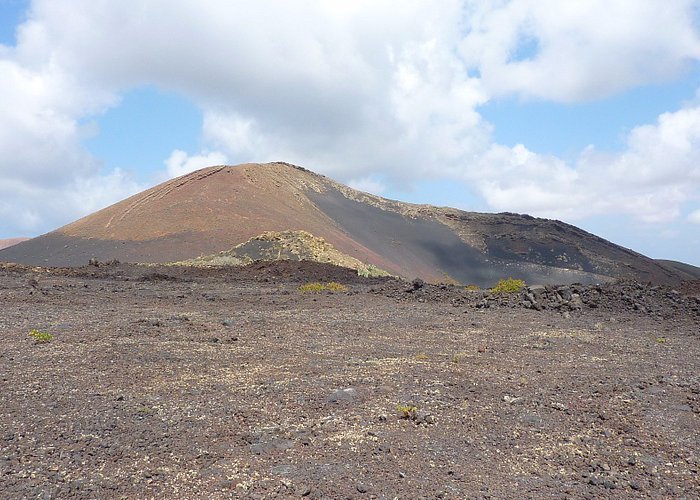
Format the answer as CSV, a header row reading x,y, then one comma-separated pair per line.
x,y
416,285
609,484
531,419
302,490
338,395
283,469
423,417
576,303
565,293
268,440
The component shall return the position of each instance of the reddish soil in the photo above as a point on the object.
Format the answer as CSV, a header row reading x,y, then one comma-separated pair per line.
x,y
182,383
9,242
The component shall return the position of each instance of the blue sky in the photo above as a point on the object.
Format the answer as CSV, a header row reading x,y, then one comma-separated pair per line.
x,y
13,13
565,129
143,129
485,106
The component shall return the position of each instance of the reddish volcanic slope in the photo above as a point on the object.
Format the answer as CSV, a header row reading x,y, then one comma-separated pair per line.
x,y
200,213
8,242
216,208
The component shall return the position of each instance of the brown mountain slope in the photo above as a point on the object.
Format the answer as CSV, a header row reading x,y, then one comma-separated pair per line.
x,y
8,242
217,208
687,271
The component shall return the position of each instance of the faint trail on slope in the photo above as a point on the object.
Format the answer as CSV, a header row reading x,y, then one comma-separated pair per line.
x,y
160,192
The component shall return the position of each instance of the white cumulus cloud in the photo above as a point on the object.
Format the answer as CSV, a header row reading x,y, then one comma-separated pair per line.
x,y
572,51
180,163
47,178
650,179
368,184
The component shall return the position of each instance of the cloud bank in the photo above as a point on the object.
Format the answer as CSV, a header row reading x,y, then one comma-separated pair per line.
x,y
352,90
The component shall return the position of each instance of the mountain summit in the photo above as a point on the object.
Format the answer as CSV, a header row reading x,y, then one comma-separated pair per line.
x,y
217,208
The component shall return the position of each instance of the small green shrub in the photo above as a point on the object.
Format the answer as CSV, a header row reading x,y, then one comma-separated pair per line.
x,y
509,285
472,288
41,337
407,411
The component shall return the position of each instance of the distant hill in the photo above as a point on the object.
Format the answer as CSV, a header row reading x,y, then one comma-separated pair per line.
x,y
8,242
217,208
689,272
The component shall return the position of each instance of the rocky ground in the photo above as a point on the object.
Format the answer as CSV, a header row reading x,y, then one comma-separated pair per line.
x,y
183,383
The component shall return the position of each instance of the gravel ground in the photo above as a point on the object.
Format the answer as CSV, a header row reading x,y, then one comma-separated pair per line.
x,y
184,383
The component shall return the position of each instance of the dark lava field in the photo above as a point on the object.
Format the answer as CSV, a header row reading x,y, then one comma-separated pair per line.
x,y
166,382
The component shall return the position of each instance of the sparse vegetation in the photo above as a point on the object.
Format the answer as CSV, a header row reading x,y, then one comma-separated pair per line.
x,y
94,262
509,285
458,357
472,288
336,287
407,411
422,357
371,271
41,337
145,410
316,287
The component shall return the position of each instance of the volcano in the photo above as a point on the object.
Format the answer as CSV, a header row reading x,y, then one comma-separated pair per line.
x,y
218,208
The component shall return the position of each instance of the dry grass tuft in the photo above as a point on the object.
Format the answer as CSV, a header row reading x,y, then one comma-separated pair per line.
x,y
316,287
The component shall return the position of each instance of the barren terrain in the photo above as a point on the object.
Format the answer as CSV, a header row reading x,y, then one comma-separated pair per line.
x,y
182,383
